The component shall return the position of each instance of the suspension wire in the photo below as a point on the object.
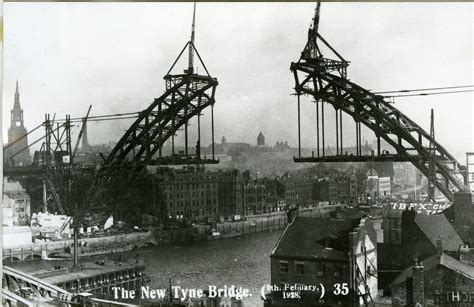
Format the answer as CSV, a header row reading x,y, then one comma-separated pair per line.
x,y
36,141
135,114
23,136
112,118
430,94
425,89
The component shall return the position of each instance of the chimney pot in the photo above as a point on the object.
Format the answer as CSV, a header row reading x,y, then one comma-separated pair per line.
x,y
439,247
418,298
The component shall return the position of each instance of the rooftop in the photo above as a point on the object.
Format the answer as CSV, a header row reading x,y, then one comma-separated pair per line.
x,y
437,227
306,238
433,262
91,269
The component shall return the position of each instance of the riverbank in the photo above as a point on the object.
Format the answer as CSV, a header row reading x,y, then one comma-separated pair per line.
x,y
92,246
242,262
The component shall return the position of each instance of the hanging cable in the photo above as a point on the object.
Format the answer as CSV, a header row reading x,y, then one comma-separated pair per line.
x,y
430,94
426,89
98,117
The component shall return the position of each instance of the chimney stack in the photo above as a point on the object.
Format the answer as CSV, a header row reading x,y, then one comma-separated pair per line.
x,y
439,247
418,284
464,254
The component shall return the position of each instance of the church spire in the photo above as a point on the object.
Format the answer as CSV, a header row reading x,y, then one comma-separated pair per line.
x,y
17,112
18,152
16,104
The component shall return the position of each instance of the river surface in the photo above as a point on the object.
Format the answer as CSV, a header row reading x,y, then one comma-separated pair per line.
x,y
242,262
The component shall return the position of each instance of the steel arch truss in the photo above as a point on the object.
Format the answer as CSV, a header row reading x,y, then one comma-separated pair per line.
x,y
409,140
186,96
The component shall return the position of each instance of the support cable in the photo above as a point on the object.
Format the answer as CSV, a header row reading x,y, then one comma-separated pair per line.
x,y
425,89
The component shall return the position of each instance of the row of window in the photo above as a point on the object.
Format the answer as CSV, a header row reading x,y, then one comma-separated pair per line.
x,y
179,215
190,194
192,186
188,203
299,269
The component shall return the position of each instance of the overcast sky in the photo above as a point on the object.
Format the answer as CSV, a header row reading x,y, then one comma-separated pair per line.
x,y
114,55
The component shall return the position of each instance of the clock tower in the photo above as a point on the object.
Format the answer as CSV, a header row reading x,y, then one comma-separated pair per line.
x,y
17,134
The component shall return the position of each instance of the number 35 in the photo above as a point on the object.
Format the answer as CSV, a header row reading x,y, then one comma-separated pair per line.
x,y
341,289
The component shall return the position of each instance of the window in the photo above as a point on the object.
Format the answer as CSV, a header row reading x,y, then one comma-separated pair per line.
x,y
321,270
284,267
395,237
395,222
299,268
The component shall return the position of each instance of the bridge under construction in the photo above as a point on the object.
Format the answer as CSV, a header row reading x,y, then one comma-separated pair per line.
x,y
321,77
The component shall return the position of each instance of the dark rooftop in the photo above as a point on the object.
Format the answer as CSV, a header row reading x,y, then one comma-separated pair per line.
x,y
432,263
437,227
306,238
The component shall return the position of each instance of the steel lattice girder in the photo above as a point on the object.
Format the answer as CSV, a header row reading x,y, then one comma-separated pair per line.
x,y
187,95
384,120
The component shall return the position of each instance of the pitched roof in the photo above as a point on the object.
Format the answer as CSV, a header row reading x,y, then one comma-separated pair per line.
x,y
437,227
466,232
306,236
432,262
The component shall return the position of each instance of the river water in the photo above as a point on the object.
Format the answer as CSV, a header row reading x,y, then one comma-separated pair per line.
x,y
242,262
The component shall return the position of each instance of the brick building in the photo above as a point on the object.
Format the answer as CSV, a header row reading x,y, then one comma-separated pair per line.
x,y
343,188
273,202
255,197
16,204
440,280
321,189
296,190
419,236
392,217
190,194
338,187
230,193
378,188
303,190
461,216
285,189
331,252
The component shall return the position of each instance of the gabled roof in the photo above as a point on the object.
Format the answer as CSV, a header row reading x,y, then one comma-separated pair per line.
x,y
437,227
432,262
306,238
466,232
